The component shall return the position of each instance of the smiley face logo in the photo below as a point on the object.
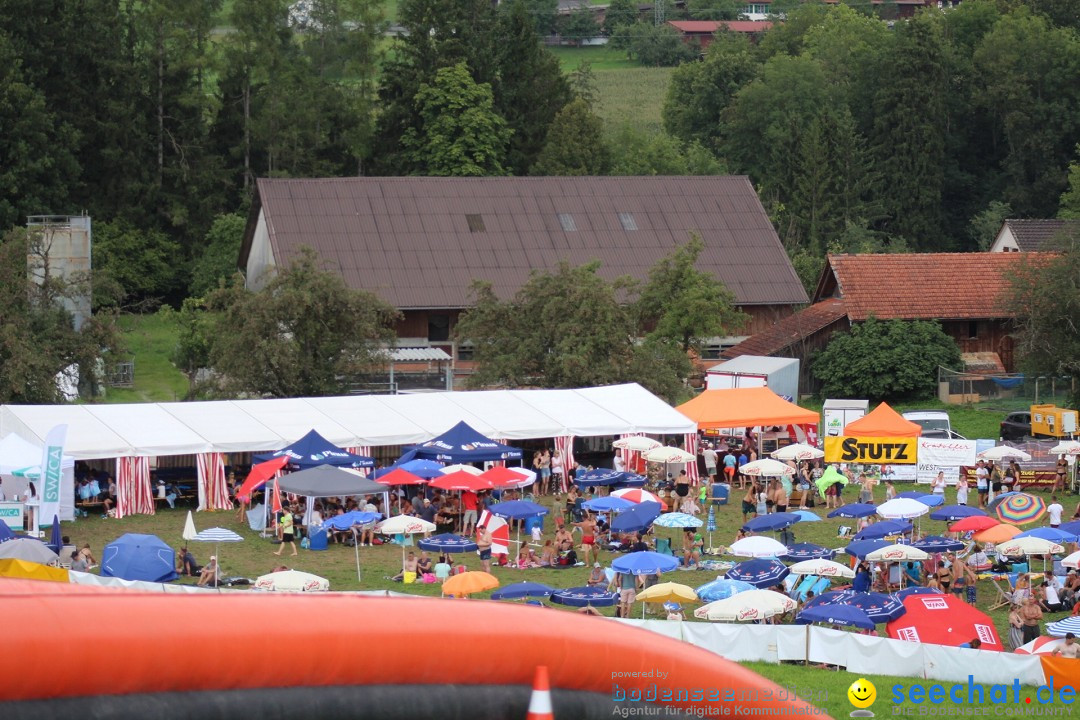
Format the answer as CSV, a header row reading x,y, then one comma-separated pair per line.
x,y
862,694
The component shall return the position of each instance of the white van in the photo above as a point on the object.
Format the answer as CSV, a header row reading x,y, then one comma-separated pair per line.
x,y
935,423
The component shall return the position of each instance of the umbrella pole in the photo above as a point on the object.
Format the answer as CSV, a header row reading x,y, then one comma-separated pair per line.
x,y
356,550
217,556
806,657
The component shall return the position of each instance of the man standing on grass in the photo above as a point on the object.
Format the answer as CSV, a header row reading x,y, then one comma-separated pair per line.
x,y
710,461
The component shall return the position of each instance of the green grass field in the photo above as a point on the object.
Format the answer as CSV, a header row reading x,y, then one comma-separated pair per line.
x,y
255,556
150,340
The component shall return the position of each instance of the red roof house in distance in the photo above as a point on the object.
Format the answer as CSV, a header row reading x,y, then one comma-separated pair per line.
x,y
956,289
704,30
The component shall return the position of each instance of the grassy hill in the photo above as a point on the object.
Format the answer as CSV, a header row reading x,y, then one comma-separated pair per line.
x,y
150,340
629,94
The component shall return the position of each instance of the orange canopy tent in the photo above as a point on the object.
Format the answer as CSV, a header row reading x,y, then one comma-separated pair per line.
x,y
882,421
744,407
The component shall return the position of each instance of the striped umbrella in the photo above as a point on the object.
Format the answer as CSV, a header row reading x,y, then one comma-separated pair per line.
x,y
1068,625
217,536
1020,509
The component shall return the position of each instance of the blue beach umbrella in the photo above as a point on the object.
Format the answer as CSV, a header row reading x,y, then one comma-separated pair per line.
x,y
771,523
936,544
585,596
517,509
879,607
134,556
721,589
447,542
854,510
644,563
1069,527
637,518
597,477
426,469
522,590
761,573
952,513
631,480
835,615
884,529
6,533
931,500
860,548
912,494
808,551
1056,535
607,504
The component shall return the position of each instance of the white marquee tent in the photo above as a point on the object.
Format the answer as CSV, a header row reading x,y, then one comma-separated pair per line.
x,y
104,431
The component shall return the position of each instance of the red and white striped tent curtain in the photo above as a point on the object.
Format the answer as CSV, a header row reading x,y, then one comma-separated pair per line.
x,y
565,445
365,451
213,490
499,463
691,446
134,496
629,457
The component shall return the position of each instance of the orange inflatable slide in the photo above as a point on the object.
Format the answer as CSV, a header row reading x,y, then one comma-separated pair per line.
x,y
76,651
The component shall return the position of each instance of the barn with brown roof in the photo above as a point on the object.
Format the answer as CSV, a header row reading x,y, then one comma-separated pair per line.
x,y
420,242
961,290
1034,235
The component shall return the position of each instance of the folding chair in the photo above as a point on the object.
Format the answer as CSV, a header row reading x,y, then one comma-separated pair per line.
x,y
1004,599
803,587
820,586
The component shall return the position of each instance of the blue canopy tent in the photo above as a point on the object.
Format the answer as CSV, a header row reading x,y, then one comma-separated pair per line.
x,y
133,556
313,450
461,444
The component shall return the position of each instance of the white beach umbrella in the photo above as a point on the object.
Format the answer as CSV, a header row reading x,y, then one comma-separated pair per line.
x,y
757,546
825,568
799,451
637,443
897,553
746,606
292,581
767,467
1004,452
902,509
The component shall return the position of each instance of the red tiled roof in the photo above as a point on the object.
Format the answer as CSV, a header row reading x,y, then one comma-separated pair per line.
x,y
921,286
790,330
711,26
419,242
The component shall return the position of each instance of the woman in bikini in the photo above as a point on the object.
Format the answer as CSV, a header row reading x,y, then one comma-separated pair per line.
x,y
944,577
1061,469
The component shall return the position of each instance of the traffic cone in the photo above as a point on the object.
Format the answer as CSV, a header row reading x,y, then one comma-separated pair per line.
x,y
540,702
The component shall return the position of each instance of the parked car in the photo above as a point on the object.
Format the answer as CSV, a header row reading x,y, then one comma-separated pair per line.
x,y
930,420
1016,427
941,434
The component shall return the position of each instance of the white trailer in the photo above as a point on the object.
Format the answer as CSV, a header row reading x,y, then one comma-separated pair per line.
x,y
781,375
836,414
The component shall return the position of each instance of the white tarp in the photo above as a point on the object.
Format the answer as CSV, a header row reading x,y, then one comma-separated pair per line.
x,y
860,654
102,431
82,578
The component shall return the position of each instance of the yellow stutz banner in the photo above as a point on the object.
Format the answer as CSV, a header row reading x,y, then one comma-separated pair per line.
x,y
874,451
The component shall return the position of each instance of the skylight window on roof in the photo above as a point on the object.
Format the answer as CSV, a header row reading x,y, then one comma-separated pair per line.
x,y
476,223
627,221
567,222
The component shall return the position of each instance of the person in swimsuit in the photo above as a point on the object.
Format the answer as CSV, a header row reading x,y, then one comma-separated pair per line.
x,y
483,547
588,538
944,577
1061,469
749,503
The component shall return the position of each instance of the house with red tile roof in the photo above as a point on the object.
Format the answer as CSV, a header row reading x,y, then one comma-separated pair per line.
x,y
704,30
960,290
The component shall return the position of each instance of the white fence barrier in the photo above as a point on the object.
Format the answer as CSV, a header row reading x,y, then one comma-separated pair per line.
x,y
861,654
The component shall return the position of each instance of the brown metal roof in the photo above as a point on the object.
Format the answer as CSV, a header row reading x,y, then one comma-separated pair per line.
x,y
409,240
1034,235
790,330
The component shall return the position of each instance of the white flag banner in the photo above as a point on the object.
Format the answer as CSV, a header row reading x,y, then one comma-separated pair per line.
x,y
52,473
941,455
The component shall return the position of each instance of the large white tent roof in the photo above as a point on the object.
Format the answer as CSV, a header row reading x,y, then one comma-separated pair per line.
x,y
100,431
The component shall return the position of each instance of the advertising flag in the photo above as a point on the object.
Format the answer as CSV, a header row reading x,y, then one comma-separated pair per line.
x,y
51,475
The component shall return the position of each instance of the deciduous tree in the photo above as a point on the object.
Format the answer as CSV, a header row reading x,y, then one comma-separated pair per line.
x,y
303,334
575,144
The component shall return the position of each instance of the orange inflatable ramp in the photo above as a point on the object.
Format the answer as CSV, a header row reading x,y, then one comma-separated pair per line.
x,y
126,654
